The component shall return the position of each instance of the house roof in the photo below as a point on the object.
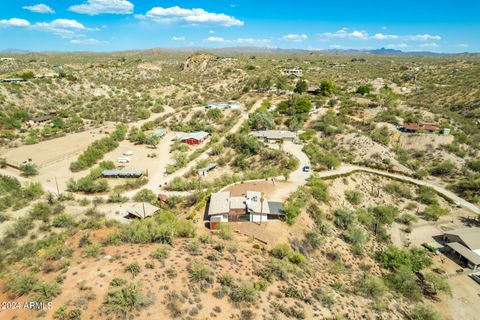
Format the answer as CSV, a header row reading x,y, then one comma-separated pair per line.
x,y
276,208
122,172
199,135
209,167
13,79
222,202
159,133
141,210
465,252
219,203
469,236
274,134
420,126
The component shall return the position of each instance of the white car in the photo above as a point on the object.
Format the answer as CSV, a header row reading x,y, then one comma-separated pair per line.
x,y
123,160
128,153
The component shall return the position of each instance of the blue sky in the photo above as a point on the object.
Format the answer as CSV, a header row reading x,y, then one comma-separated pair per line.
x,y
110,25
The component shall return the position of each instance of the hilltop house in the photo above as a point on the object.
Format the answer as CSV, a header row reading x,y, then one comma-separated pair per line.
x,y
159,133
464,244
194,137
293,72
423,128
253,206
274,135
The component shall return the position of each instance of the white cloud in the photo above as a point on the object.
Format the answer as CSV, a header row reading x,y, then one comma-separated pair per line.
x,y
397,46
215,39
462,45
429,45
39,8
381,36
178,38
424,37
14,22
344,34
95,7
211,31
336,46
88,41
63,27
244,41
295,37
190,16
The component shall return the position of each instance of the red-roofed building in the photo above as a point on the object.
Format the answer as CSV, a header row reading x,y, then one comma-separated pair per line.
x,y
419,127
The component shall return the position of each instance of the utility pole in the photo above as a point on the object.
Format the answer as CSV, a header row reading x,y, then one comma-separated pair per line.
x,y
143,205
58,190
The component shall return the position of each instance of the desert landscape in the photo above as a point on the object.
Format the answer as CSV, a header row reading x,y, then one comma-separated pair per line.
x,y
236,182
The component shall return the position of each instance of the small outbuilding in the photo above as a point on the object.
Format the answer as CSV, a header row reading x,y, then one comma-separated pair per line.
x,y
139,210
205,170
122,173
195,137
159,133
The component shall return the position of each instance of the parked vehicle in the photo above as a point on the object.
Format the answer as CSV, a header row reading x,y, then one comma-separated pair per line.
x,y
306,168
123,160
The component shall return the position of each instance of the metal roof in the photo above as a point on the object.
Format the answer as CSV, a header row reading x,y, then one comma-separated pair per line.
x,y
465,252
219,203
274,134
159,133
276,208
470,236
199,135
209,167
122,172
141,210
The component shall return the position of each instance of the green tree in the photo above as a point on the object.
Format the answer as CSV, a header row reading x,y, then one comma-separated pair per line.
x,y
261,121
29,169
327,88
301,86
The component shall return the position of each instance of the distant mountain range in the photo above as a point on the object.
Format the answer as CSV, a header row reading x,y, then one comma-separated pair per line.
x,y
246,49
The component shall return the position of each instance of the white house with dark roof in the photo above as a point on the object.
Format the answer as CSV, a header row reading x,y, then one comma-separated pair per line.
x,y
252,206
274,135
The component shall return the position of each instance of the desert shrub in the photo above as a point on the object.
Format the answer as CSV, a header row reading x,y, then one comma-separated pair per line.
x,y
434,212
370,287
343,218
354,197
408,219
245,292
443,168
281,251
145,195
63,221
161,252
319,189
226,280
438,283
355,235
198,272
404,282
423,312
91,250
133,268
297,258
394,258
98,149
324,297
426,195
45,291
41,211
124,299
29,169
225,231
19,285
398,190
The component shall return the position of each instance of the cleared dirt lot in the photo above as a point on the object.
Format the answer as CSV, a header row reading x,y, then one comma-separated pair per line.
x,y
47,153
